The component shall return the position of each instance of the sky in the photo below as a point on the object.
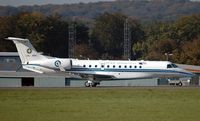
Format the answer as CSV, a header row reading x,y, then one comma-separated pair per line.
x,y
42,2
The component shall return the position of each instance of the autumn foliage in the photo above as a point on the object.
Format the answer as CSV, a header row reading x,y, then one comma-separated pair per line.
x,y
103,37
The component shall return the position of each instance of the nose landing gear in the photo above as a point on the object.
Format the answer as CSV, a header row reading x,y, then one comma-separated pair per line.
x,y
91,83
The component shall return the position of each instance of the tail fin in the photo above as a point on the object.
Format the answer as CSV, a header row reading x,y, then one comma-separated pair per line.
x,y
25,49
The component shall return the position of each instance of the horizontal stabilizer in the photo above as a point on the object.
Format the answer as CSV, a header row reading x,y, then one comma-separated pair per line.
x,y
16,39
32,69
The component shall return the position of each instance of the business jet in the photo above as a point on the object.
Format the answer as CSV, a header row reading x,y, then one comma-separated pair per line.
x,y
95,70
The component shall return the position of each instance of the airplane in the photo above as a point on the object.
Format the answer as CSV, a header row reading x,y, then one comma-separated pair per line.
x,y
95,71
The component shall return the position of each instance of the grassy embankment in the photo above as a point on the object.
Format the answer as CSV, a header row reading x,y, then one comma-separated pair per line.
x,y
132,104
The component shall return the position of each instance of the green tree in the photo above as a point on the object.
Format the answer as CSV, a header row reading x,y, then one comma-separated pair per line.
x,y
156,42
7,28
30,25
84,51
48,34
159,50
108,34
186,28
190,53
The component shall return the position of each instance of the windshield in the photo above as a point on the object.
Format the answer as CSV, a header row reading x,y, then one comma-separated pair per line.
x,y
172,66
169,66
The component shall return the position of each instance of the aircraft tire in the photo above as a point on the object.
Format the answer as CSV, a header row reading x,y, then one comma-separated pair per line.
x,y
87,84
180,84
94,84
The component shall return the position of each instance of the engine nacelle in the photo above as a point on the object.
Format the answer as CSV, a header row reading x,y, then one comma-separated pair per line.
x,y
55,63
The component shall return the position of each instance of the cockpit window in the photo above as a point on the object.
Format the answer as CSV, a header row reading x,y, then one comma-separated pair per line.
x,y
172,66
169,66
175,66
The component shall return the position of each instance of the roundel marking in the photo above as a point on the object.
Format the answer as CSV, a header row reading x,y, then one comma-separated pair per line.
x,y
29,51
57,63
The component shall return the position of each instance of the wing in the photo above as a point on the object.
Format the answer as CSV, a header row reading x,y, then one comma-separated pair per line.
x,y
97,77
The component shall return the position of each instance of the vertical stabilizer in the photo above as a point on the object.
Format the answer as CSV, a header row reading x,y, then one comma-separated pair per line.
x,y
25,49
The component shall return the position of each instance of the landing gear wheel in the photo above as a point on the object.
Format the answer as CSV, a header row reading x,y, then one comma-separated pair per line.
x,y
91,83
87,84
180,84
94,84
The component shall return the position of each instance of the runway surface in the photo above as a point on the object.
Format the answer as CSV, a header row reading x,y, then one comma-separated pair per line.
x,y
108,87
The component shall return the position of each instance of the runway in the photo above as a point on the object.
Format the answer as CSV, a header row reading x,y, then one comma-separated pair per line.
x,y
107,87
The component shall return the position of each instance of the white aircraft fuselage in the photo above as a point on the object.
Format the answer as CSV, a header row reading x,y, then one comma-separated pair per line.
x,y
117,69
95,70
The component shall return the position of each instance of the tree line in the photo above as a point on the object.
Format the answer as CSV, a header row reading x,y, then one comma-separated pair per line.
x,y
145,10
178,41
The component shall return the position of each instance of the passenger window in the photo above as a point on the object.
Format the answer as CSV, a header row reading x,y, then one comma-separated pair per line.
x,y
84,66
119,66
130,66
125,66
135,66
90,66
113,66
140,66
95,66
108,66
169,66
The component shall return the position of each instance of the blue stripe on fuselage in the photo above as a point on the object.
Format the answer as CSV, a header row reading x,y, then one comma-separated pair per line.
x,y
129,70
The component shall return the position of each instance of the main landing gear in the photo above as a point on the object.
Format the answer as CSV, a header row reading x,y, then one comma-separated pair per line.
x,y
91,83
